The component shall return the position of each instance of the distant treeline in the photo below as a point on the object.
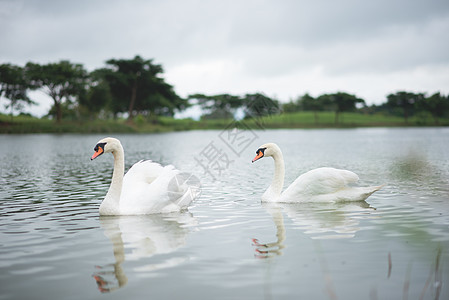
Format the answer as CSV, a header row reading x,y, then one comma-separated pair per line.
x,y
405,104
135,86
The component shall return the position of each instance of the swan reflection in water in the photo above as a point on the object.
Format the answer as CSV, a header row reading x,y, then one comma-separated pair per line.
x,y
141,237
273,248
320,220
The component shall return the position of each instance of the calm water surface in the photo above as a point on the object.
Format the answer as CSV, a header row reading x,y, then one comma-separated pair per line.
x,y
54,244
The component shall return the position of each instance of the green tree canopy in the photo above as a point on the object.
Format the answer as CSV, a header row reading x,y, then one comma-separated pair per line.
x,y
342,102
437,105
222,106
98,96
258,105
14,86
136,85
309,103
62,81
404,101
290,107
303,103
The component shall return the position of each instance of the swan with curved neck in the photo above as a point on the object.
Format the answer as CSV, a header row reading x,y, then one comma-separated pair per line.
x,y
146,188
318,185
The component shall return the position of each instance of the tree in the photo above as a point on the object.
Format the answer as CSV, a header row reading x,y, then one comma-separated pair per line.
x,y
97,98
222,106
162,101
290,107
62,81
308,103
136,86
258,105
14,86
437,105
344,102
404,101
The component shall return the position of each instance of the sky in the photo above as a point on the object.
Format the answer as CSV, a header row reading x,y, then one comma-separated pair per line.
x,y
282,48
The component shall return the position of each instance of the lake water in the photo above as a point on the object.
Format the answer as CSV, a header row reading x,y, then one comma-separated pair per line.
x,y
228,245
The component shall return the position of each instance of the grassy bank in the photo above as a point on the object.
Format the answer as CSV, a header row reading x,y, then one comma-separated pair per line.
x,y
327,120
25,124
34,125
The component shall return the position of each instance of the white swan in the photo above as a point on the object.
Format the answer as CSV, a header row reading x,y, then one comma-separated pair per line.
x,y
318,185
147,187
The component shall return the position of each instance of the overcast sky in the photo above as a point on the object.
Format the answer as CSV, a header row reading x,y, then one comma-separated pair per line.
x,y
281,48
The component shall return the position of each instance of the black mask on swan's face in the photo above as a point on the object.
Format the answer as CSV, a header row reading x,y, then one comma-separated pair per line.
x,y
99,150
267,150
107,145
259,154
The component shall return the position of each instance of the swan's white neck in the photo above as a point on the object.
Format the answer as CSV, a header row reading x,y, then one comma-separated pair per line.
x,y
274,191
111,203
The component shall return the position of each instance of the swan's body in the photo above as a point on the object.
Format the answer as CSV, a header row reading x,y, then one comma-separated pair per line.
x,y
147,187
318,185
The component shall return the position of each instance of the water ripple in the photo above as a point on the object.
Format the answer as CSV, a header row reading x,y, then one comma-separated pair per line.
x,y
51,233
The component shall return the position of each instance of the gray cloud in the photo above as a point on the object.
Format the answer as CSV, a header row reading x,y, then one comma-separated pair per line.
x,y
237,46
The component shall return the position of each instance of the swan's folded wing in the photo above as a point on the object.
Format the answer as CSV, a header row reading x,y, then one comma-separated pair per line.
x,y
320,181
144,197
150,188
183,189
144,171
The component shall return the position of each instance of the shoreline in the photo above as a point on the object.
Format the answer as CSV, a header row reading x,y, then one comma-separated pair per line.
x,y
303,120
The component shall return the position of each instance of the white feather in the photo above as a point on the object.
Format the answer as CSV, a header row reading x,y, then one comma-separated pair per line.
x,y
318,185
147,188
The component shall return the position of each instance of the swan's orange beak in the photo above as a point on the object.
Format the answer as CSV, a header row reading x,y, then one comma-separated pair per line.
x,y
97,153
258,156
